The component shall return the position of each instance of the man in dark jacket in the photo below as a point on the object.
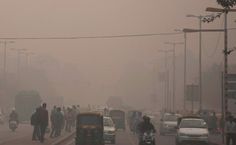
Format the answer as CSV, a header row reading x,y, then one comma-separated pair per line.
x,y
59,120
43,114
145,126
35,124
14,116
53,121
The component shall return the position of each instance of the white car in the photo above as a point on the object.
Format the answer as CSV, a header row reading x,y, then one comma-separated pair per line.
x,y
192,129
109,130
168,124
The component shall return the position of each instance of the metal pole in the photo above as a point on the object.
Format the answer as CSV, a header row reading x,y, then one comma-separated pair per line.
x,y
226,67
185,68
166,91
192,99
5,64
200,63
173,102
18,69
222,106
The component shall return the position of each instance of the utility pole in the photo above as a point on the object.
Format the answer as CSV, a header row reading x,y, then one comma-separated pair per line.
x,y
226,53
174,65
167,99
5,62
19,52
185,66
200,18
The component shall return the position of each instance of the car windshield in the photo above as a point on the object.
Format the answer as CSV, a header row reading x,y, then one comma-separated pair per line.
x,y
196,123
170,118
107,122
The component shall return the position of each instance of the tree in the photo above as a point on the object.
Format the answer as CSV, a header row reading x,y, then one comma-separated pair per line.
x,y
227,4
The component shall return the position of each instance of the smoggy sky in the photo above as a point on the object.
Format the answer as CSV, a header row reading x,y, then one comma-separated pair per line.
x,y
99,68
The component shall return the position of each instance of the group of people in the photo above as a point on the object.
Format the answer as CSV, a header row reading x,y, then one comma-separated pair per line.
x,y
63,118
39,120
230,130
59,118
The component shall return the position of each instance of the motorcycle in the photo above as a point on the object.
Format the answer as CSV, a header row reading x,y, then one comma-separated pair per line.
x,y
13,125
148,138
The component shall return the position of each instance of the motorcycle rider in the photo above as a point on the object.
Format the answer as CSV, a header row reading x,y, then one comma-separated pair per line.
x,y
145,126
14,116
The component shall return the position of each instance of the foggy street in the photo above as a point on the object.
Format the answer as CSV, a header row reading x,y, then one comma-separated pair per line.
x,y
23,136
8,135
118,72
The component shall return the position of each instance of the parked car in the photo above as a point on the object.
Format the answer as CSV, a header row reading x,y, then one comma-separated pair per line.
x,y
192,129
109,130
168,123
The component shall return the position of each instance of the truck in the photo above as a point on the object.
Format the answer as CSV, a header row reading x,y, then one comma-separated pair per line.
x,y
26,103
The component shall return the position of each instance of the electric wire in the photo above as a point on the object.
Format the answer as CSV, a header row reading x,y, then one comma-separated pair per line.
x,y
93,37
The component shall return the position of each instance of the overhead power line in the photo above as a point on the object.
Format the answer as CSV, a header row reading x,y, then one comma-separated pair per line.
x,y
95,37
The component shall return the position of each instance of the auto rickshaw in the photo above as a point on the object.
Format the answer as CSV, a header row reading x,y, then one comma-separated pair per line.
x,y
89,129
118,117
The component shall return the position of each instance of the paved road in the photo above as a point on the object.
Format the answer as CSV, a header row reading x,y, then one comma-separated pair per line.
x,y
127,138
22,136
6,134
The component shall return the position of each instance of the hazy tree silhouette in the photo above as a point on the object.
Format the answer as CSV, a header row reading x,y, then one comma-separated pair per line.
x,y
227,4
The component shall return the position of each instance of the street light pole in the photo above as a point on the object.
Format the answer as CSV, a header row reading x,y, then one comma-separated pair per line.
x,y
200,17
185,67
19,52
5,61
226,53
174,66
167,99
200,63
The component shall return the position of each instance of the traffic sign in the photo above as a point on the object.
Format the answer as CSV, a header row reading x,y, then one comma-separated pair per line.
x,y
231,77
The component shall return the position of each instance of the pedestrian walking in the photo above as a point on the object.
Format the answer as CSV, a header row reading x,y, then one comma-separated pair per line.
x,y
69,119
35,123
74,114
52,119
230,131
212,124
59,121
43,114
